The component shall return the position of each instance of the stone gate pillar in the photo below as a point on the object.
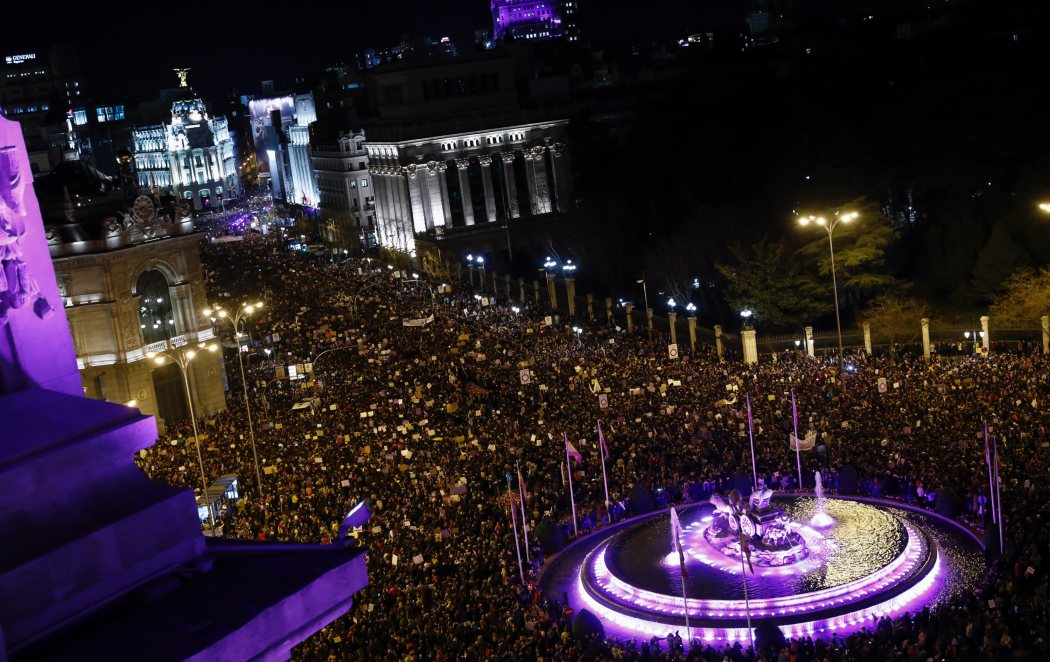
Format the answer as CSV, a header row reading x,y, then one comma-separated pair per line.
x,y
750,346
925,321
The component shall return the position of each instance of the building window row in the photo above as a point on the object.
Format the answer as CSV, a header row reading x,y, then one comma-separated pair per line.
x,y
442,88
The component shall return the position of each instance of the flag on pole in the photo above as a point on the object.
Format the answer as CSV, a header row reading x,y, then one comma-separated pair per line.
x,y
572,452
521,486
602,456
806,443
676,540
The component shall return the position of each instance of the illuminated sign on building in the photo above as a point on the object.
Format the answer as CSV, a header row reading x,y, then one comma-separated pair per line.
x,y
20,58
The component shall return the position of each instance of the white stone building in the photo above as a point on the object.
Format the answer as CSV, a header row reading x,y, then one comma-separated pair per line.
x,y
302,181
192,156
344,184
130,283
496,175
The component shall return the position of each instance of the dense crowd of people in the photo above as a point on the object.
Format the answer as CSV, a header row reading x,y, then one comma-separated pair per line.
x,y
430,423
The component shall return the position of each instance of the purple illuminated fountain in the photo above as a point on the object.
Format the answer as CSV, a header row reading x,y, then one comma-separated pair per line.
x,y
871,560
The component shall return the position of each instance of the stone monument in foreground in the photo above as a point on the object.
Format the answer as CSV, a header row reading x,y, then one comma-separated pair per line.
x,y
98,562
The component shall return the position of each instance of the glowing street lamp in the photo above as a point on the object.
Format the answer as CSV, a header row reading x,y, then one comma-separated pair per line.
x,y
1044,207
671,303
691,308
470,266
237,325
829,227
182,356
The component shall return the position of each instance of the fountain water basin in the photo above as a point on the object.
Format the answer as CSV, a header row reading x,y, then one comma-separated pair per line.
x,y
874,561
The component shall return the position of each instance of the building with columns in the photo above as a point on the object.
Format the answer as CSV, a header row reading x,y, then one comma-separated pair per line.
x,y
302,180
132,282
191,157
497,175
451,143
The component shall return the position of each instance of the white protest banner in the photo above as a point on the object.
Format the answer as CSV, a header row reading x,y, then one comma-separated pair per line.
x,y
672,351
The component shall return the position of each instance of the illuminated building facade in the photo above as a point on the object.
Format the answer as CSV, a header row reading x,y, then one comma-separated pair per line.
x,y
493,176
42,91
345,190
281,133
192,156
453,147
132,282
535,19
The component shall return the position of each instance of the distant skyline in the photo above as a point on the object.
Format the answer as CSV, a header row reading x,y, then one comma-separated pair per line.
x,y
128,51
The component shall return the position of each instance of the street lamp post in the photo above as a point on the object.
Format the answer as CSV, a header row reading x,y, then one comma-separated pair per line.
x,y
645,295
470,266
182,358
548,266
236,323
830,229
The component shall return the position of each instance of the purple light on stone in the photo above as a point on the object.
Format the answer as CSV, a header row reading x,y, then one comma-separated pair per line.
x,y
897,571
847,623
887,577
912,572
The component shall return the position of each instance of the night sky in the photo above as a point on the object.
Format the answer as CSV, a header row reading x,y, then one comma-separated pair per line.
x,y
129,50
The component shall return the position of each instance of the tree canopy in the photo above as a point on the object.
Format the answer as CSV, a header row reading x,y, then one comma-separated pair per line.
x,y
1025,299
770,280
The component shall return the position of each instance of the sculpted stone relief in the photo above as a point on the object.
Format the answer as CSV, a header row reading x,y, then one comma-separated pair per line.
x,y
18,287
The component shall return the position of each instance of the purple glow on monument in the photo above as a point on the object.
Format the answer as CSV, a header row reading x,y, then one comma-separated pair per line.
x,y
900,569
526,19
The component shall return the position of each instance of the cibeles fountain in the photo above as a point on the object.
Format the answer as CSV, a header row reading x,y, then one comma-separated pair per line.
x,y
812,566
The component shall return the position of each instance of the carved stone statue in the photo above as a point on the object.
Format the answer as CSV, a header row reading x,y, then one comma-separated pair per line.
x,y
17,285
35,347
